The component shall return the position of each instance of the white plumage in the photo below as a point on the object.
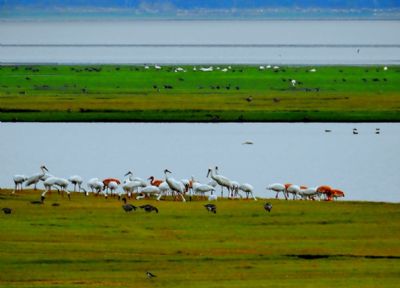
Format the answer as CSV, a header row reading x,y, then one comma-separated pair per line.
x,y
174,185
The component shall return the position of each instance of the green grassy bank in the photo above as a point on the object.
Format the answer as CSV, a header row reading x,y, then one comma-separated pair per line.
x,y
242,93
92,242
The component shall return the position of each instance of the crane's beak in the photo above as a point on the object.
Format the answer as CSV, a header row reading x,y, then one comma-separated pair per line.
x,y
129,172
166,170
44,167
208,173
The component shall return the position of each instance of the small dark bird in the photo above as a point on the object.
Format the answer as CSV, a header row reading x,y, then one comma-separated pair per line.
x,y
55,204
149,208
150,275
328,130
128,207
355,131
249,99
211,208
377,131
268,207
41,201
6,210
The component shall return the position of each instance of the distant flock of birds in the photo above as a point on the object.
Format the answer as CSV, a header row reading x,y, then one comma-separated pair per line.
x,y
158,188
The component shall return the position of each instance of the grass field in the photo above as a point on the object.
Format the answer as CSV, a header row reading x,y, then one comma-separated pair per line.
x,y
92,242
134,93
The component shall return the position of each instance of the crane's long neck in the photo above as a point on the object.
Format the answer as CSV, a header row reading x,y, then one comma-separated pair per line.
x,y
212,175
43,171
130,176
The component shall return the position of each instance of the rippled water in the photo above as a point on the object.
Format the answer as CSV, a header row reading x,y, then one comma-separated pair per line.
x,y
365,166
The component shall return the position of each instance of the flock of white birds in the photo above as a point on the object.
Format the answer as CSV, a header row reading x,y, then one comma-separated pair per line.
x,y
158,188
137,187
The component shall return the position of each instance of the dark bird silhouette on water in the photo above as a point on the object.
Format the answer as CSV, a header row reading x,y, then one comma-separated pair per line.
x,y
6,210
268,207
328,130
377,131
211,208
41,201
355,131
149,208
150,275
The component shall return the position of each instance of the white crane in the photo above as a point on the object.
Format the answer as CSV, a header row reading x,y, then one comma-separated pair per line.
x,y
248,189
18,180
35,178
199,188
174,185
55,181
113,186
164,189
308,193
294,190
95,185
76,180
221,180
63,184
278,187
132,187
235,189
149,190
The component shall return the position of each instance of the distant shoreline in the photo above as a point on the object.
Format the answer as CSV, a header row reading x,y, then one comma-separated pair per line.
x,y
226,93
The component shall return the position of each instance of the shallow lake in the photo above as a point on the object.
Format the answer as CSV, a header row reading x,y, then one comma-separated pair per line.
x,y
201,42
365,166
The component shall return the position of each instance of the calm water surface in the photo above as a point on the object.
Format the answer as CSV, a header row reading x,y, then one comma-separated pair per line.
x,y
201,42
365,166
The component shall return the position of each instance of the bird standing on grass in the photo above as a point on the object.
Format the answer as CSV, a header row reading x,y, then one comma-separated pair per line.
x,y
6,210
211,208
150,275
127,207
149,208
268,207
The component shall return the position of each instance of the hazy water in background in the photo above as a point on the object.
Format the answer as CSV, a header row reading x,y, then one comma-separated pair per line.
x,y
365,166
201,42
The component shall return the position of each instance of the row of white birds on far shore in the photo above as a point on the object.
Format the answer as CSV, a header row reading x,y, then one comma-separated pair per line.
x,y
135,185
168,186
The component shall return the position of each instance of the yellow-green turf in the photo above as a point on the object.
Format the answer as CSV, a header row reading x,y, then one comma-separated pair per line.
x,y
243,93
92,242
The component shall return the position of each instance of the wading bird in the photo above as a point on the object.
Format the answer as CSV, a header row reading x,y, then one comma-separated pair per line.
x,y
149,190
35,178
201,189
248,189
174,185
221,180
278,188
155,182
76,180
18,180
